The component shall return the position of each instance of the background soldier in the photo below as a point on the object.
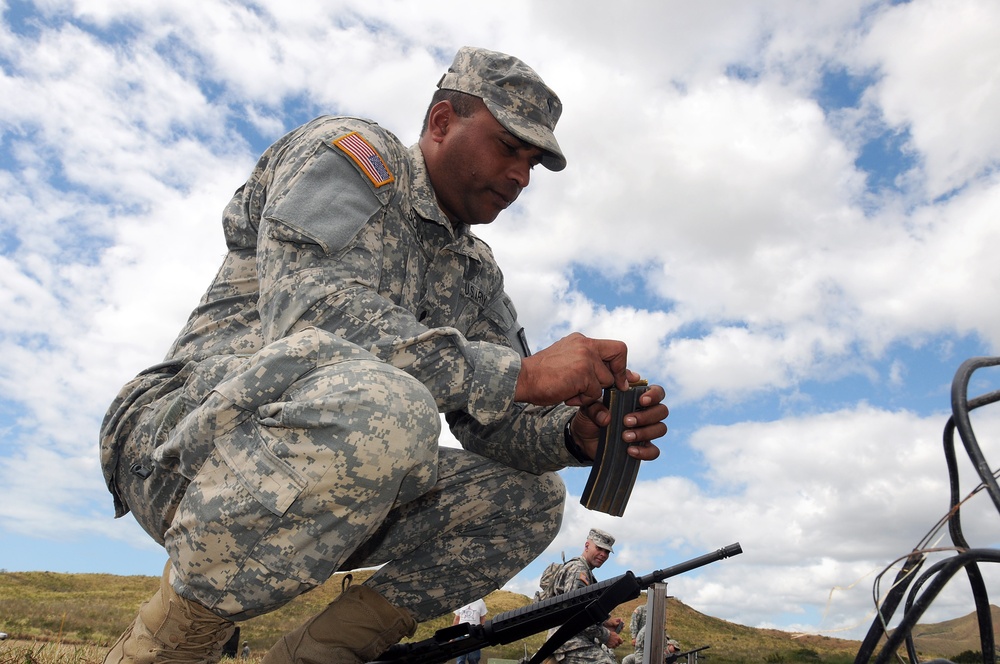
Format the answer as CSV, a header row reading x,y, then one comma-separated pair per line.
x,y
586,647
670,649
637,621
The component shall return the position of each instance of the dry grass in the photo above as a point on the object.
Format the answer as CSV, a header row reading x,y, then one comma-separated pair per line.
x,y
49,652
73,618
41,652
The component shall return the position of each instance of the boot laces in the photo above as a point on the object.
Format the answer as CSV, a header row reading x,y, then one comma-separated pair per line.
x,y
204,636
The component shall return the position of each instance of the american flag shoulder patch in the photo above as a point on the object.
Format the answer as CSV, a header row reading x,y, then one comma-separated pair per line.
x,y
364,155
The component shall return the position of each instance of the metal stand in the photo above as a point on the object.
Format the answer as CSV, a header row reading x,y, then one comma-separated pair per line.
x,y
656,618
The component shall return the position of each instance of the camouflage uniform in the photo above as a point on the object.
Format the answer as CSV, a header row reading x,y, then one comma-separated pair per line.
x,y
585,647
637,621
635,625
640,648
291,431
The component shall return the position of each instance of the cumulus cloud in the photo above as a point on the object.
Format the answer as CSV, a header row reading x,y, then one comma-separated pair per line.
x,y
787,211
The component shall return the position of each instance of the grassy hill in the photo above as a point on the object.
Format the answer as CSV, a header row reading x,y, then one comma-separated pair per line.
x,y
942,637
91,610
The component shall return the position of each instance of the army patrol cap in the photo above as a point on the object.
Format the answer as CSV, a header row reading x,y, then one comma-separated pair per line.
x,y
601,539
516,96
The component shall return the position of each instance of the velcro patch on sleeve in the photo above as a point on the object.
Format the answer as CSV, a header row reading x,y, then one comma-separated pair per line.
x,y
364,155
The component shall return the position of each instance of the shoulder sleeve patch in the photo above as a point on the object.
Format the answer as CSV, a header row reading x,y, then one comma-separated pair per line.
x,y
327,203
365,156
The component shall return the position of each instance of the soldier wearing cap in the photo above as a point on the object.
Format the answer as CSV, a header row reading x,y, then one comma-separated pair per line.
x,y
588,646
291,431
671,650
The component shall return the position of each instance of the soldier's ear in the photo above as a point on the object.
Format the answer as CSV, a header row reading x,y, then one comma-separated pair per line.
x,y
438,120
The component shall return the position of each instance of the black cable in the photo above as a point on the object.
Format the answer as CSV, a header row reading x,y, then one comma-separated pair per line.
x,y
884,613
940,573
961,407
984,614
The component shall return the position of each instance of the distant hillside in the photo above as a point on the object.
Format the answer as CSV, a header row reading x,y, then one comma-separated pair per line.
x,y
95,608
954,636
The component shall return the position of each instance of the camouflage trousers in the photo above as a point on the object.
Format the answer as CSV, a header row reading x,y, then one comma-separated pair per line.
x,y
591,655
264,475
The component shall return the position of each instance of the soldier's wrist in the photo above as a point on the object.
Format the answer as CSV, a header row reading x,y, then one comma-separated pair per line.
x,y
573,447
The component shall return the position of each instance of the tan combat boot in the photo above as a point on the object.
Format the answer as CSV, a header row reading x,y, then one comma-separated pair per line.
x,y
170,628
356,627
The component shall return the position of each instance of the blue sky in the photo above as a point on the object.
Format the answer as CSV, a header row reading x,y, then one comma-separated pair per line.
x,y
788,210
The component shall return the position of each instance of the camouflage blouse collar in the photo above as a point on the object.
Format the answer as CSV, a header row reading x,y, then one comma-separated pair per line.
x,y
423,199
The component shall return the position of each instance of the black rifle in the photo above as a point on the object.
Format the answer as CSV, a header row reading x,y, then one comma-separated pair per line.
x,y
677,655
575,611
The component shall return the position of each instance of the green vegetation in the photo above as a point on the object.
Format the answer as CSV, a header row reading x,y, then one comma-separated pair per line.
x,y
72,618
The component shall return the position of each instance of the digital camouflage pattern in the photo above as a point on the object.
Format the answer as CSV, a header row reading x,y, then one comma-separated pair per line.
x,y
585,647
516,96
637,621
640,647
291,431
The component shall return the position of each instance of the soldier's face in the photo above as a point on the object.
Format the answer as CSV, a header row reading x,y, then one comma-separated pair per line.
x,y
484,168
594,554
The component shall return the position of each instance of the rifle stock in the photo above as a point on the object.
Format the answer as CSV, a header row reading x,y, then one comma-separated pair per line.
x,y
574,611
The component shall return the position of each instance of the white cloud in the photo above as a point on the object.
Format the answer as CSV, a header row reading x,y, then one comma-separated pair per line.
x,y
736,245
820,505
942,86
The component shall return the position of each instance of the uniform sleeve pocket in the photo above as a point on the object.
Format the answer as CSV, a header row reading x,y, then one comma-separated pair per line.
x,y
502,314
328,205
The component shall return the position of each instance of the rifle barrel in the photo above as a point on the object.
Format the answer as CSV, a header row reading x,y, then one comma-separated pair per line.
x,y
647,580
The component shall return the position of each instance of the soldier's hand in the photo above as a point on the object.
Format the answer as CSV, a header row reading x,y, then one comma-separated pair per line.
x,y
574,370
641,427
614,640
